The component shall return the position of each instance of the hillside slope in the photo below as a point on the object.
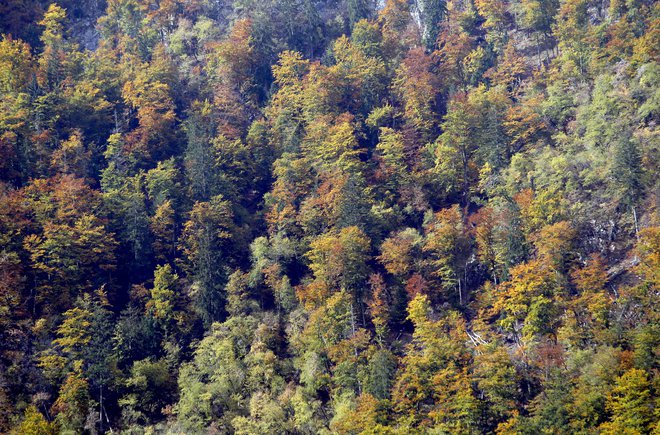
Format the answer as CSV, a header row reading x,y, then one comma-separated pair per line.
x,y
329,216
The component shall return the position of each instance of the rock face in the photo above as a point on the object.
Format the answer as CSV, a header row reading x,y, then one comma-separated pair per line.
x,y
21,22
84,15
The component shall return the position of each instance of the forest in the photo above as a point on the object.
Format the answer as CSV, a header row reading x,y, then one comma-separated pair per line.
x,y
329,217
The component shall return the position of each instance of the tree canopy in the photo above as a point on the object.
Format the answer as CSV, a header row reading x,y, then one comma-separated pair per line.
x,y
329,216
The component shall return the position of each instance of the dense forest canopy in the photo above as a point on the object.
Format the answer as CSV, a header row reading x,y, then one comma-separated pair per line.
x,y
329,216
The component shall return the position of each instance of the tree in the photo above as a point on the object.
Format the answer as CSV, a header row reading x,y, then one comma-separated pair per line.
x,y
284,113
648,247
368,38
455,46
598,371
573,29
151,386
496,19
198,157
70,259
17,70
34,423
456,408
550,410
400,251
148,94
510,70
381,374
524,124
490,107
266,416
292,179
394,166
630,404
234,165
162,183
398,30
379,307
416,84
333,147
496,381
528,295
53,61
332,347
329,216
359,10
75,332
163,226
432,368
136,336
485,238
72,157
16,65
164,294
338,261
593,276
124,29
627,171
73,403
13,307
358,415
205,246
456,150
270,259
539,16
433,12
128,202
592,304
83,348
212,385
235,63
448,249
238,295
553,244
362,74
